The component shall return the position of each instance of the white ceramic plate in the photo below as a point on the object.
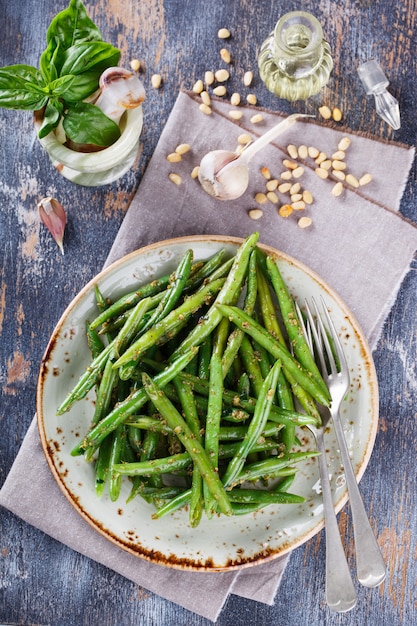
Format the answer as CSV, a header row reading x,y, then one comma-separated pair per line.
x,y
221,543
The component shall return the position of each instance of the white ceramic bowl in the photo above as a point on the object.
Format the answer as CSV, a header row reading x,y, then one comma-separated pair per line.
x,y
221,543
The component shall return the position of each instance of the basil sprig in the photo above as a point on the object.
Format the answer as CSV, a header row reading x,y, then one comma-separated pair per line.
x,y
69,72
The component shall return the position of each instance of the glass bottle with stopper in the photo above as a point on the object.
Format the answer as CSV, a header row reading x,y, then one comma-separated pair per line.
x,y
295,61
375,83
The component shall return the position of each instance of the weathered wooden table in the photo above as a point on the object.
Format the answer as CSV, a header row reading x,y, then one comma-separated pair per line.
x,y
43,582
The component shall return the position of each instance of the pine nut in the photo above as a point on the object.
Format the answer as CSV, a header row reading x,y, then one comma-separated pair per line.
x,y
198,86
183,148
209,77
313,152
235,99
298,206
298,172
247,78
337,189
272,184
287,175
205,109
255,214
220,90
135,65
365,179
295,197
339,174
235,115
325,112
251,98
321,173
292,151
295,188
244,138
174,157
307,197
266,172
195,171
175,178
338,165
337,114
223,33
291,165
272,197
352,180
305,222
261,198
225,55
284,187
156,81
222,75
339,155
285,210
322,156
344,143
302,152
326,165
255,119
205,98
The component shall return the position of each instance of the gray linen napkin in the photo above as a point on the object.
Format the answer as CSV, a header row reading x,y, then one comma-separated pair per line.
x,y
357,242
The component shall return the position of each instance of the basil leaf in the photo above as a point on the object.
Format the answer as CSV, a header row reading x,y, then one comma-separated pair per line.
x,y
86,123
59,86
22,87
51,117
47,62
82,86
89,55
72,25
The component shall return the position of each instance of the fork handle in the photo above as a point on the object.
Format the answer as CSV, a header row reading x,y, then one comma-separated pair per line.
x,y
371,569
340,592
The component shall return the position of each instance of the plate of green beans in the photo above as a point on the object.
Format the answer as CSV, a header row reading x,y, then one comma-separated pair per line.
x,y
174,399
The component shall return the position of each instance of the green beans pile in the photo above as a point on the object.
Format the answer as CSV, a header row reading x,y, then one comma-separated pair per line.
x,y
198,375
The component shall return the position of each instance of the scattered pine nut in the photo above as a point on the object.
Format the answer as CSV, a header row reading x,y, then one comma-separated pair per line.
x,y
322,156
251,98
258,117
220,90
337,189
198,86
223,33
183,148
337,114
209,77
255,214
291,165
205,97
292,151
235,115
205,109
326,165
339,174
235,99
365,179
344,143
284,187
298,206
321,173
222,75
272,184
295,197
302,152
307,197
305,222
272,197
313,152
175,178
339,155
261,198
135,65
325,112
338,165
247,78
287,175
244,138
174,157
352,180
295,188
285,210
266,172
225,55
195,171
156,81
298,172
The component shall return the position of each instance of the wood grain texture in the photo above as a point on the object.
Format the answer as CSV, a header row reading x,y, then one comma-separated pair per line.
x,y
41,581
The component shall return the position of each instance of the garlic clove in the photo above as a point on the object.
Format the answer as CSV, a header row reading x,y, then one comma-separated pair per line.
x,y
121,89
53,215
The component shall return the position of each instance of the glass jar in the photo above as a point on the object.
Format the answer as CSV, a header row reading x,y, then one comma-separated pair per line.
x,y
96,168
294,61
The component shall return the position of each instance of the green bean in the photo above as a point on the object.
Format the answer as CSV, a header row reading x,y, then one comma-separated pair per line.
x,y
271,468
234,433
251,365
170,324
163,465
101,301
257,424
191,444
144,422
229,293
204,357
130,328
101,468
261,496
94,341
205,271
173,505
213,418
115,454
255,330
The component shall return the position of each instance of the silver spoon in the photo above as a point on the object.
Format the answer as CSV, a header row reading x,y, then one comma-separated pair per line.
x,y
224,174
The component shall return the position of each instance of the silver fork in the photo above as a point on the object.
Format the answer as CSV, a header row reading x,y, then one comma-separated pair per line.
x,y
370,566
